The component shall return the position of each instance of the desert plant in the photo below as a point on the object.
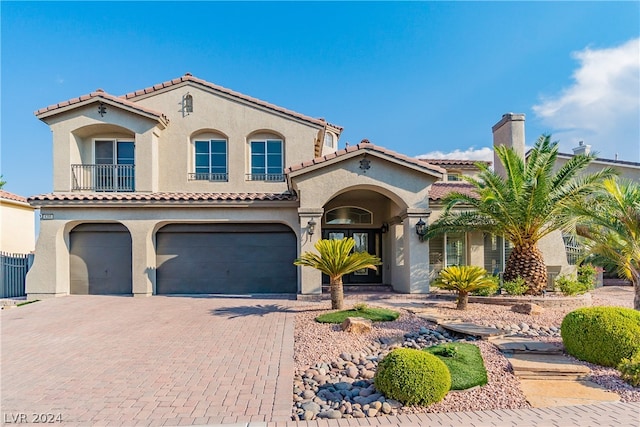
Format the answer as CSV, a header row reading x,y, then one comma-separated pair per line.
x,y
335,259
445,350
361,306
529,202
570,286
515,287
630,370
489,290
463,279
602,335
413,377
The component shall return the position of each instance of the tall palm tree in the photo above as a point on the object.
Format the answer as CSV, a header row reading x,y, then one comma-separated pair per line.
x,y
525,205
335,259
610,224
464,279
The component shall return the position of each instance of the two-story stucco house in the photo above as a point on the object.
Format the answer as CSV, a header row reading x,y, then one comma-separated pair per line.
x,y
188,187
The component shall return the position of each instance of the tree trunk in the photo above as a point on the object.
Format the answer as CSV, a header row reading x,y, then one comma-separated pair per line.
x,y
337,293
463,300
635,281
526,261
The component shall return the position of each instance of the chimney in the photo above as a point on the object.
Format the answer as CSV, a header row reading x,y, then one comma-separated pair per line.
x,y
509,131
581,149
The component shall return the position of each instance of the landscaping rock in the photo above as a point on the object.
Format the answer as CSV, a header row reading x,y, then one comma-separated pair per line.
x,y
528,308
356,325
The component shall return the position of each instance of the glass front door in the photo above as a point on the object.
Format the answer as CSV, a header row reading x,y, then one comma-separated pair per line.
x,y
366,241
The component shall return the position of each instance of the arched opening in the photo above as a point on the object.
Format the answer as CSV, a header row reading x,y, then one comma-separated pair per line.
x,y
100,259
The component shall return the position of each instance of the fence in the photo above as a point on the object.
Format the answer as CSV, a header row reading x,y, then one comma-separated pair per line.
x,y
13,274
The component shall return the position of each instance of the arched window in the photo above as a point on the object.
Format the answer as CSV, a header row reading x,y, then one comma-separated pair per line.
x,y
348,215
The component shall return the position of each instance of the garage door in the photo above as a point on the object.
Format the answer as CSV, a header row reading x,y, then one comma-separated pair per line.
x,y
100,259
225,259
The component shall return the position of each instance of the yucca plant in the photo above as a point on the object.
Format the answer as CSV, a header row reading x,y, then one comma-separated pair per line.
x,y
335,258
525,205
463,279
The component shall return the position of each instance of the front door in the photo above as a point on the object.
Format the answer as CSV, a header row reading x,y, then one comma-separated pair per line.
x,y
366,241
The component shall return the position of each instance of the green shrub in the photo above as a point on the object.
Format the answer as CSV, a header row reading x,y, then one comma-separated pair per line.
x,y
630,370
413,377
465,364
374,314
569,286
361,306
515,287
602,335
489,290
587,276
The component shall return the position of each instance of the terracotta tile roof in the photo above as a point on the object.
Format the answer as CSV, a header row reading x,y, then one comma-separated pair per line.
x,y
189,78
100,94
440,189
365,145
10,196
454,162
162,197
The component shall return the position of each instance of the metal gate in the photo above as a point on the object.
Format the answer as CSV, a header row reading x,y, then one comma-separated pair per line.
x,y
13,274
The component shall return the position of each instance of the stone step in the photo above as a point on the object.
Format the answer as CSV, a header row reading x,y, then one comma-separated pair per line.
x,y
543,394
525,345
545,365
473,330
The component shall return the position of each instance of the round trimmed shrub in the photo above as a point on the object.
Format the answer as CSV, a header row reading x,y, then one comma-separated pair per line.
x,y
413,377
602,335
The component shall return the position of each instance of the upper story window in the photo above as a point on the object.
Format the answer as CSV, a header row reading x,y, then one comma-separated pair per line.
x,y
113,167
328,139
454,176
348,215
210,160
267,160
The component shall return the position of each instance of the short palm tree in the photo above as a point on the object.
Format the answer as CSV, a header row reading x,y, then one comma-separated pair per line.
x,y
464,279
610,224
335,259
527,204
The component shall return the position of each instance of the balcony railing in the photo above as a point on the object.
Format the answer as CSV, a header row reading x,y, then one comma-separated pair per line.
x,y
219,177
108,178
272,177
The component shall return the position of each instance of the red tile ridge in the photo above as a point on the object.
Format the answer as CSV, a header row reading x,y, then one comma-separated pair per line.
x,y
163,196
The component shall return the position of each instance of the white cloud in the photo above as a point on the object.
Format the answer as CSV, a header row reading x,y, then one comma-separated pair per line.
x,y
602,105
483,153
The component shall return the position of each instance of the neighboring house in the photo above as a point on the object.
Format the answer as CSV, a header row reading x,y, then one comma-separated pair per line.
x,y
626,169
188,187
17,224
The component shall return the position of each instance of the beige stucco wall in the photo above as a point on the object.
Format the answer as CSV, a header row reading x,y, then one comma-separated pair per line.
x,y
624,171
49,275
238,122
17,227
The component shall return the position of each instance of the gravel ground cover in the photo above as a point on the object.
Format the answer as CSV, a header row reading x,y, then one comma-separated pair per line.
x,y
318,345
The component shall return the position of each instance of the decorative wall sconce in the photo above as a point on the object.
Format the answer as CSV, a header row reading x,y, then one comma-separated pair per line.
x,y
365,164
384,228
421,229
311,227
102,109
187,103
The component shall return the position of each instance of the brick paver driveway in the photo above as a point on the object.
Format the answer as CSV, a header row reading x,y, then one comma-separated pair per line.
x,y
97,360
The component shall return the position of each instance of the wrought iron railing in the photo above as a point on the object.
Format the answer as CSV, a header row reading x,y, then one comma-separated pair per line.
x,y
223,177
108,178
274,177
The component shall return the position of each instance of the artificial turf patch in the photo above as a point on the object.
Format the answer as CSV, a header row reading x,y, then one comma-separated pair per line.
x,y
464,362
374,314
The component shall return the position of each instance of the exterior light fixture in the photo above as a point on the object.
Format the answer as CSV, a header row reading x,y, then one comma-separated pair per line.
x,y
384,228
311,227
102,109
188,103
421,229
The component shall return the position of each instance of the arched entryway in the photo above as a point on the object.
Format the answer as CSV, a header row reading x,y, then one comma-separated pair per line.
x,y
100,259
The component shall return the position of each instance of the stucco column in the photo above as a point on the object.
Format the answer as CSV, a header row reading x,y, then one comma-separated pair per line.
x,y
146,160
416,252
49,274
310,279
143,263
475,240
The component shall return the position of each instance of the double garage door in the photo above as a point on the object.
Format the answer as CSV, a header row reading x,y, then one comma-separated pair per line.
x,y
191,259
225,259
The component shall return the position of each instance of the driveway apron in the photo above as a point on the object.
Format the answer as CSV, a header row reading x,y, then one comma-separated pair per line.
x,y
104,360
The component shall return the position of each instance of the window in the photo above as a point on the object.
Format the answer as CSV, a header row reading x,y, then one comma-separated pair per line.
x,y
496,253
454,176
266,160
328,139
114,165
210,160
447,250
348,215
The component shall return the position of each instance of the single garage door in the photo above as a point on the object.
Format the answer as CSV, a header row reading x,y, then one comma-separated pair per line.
x,y
100,259
225,259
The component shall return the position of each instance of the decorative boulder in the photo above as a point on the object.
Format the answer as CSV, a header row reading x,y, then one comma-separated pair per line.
x,y
528,308
358,325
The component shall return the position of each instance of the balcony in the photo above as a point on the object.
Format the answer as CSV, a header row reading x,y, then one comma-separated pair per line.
x,y
107,178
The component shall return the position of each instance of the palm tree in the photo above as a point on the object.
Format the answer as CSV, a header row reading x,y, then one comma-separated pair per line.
x,y
610,224
335,259
464,279
527,204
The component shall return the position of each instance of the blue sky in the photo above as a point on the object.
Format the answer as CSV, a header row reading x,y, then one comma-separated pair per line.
x,y
418,78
